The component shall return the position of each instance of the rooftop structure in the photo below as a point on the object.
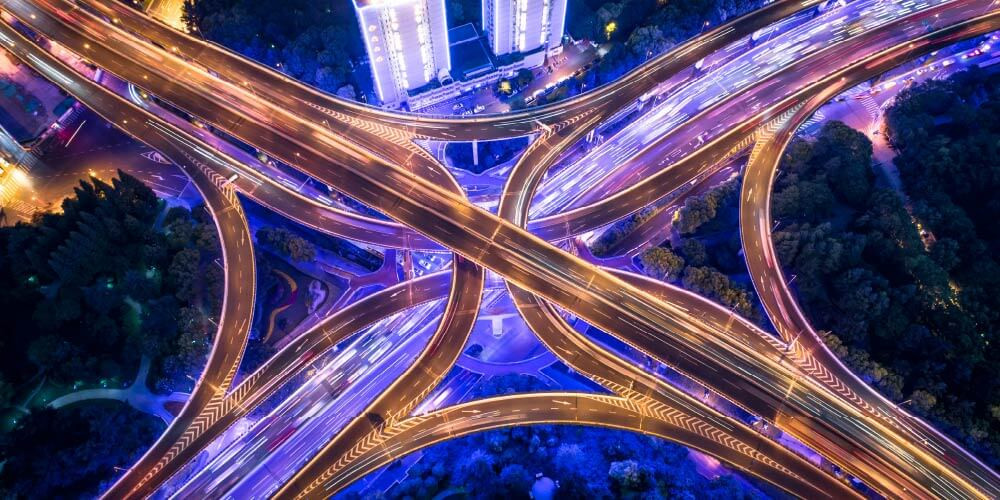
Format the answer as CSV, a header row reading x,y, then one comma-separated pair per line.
x,y
469,53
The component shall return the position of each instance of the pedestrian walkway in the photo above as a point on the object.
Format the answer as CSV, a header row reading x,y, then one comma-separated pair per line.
x,y
136,395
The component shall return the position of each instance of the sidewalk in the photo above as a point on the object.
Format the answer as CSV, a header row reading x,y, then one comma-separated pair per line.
x,y
137,395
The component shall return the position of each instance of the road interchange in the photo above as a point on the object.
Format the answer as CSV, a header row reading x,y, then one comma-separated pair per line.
x,y
563,300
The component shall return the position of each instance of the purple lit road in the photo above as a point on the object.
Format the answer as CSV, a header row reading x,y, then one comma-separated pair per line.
x,y
766,376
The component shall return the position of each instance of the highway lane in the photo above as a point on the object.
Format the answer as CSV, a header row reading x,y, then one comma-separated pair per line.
x,y
742,446
757,189
386,141
379,232
304,350
194,431
301,99
393,406
234,236
590,179
607,294
630,177
542,152
770,283
555,140
506,232
620,179
391,235
695,149
585,356
832,442
621,377
319,408
563,408
264,466
259,183
527,303
630,380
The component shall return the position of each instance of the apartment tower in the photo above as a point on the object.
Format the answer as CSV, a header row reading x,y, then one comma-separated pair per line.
x,y
523,26
407,44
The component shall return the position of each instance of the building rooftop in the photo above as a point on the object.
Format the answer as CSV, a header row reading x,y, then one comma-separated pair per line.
x,y
462,33
469,55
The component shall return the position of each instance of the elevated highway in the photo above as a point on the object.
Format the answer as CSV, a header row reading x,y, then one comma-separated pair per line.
x,y
616,306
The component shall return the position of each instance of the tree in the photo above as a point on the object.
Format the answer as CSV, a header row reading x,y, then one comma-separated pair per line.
x,y
647,42
923,400
661,263
847,156
6,394
945,253
70,452
628,475
476,472
694,251
286,243
713,284
698,210
86,293
616,233
908,319
524,77
314,42
184,274
515,480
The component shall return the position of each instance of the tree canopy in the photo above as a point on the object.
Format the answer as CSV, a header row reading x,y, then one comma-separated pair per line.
x,y
586,462
315,42
85,293
75,451
914,314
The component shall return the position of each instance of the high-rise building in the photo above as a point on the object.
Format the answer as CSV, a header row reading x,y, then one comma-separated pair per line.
x,y
523,26
407,43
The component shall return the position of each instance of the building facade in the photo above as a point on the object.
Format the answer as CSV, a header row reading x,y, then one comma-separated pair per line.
x,y
523,26
407,44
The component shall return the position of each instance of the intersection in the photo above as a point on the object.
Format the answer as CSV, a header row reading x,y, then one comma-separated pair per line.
x,y
798,386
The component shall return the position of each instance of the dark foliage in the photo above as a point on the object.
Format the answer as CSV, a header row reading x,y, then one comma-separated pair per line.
x,y
85,294
917,317
587,462
72,452
286,243
315,42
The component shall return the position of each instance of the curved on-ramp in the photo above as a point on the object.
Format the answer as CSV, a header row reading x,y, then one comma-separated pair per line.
x,y
772,287
234,237
296,96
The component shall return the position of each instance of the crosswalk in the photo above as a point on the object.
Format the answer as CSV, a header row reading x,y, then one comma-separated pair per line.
x,y
870,105
21,208
815,119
